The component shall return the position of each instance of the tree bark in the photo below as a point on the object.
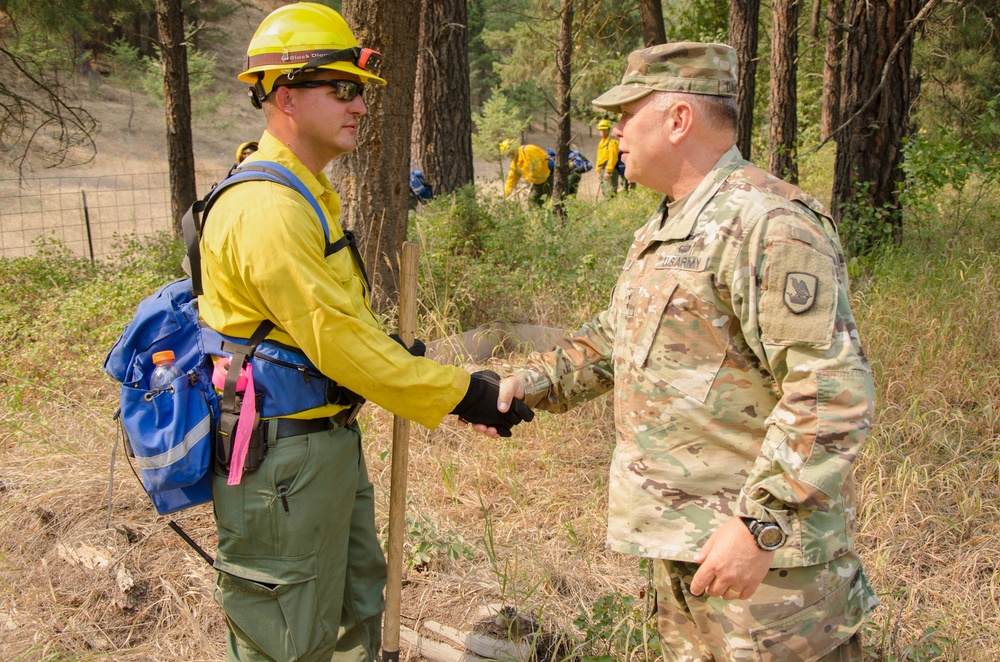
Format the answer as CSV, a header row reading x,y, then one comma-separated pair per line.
x,y
817,15
564,52
442,109
743,25
373,180
783,131
651,17
177,104
869,149
833,56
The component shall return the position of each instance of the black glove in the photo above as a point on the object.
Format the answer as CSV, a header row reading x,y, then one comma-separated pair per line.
x,y
417,349
480,404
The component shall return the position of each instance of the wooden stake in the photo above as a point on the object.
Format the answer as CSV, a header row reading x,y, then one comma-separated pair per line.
x,y
400,459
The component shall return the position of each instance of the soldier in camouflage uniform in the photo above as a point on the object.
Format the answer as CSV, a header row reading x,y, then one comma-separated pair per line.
x,y
741,391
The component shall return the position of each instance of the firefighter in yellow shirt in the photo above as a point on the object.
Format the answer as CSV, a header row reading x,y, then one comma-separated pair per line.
x,y
532,163
300,570
607,159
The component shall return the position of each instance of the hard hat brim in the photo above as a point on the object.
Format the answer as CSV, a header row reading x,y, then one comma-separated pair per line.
x,y
250,75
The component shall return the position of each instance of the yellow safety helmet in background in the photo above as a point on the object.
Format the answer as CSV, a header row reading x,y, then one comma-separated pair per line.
x,y
506,145
303,37
604,124
251,145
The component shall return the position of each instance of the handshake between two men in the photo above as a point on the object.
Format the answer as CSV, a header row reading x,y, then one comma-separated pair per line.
x,y
483,405
489,405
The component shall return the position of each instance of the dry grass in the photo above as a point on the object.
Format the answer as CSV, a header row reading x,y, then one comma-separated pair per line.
x,y
930,478
529,512
518,521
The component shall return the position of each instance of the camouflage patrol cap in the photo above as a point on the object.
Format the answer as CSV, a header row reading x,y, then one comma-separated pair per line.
x,y
688,66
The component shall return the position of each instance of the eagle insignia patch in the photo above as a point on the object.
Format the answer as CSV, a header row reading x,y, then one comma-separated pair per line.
x,y
800,291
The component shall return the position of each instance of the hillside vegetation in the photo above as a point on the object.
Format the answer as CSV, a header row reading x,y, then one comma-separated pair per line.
x,y
518,521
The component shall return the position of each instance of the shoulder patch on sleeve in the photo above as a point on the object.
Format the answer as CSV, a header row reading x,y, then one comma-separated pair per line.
x,y
800,297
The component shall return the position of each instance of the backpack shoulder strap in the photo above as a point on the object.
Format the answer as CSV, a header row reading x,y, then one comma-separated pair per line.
x,y
193,222
283,175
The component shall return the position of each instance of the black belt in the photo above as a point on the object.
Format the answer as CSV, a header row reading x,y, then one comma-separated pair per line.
x,y
293,427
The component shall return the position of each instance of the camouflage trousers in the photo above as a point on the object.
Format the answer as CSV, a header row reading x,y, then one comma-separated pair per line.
x,y
811,613
300,568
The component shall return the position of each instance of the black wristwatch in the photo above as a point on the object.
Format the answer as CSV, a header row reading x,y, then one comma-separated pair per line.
x,y
767,535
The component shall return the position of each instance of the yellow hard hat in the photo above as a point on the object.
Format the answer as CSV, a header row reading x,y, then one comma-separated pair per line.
x,y
604,124
505,145
302,37
252,144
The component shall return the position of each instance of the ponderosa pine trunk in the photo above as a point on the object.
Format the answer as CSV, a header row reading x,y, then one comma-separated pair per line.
x,y
815,18
782,134
743,30
651,17
373,180
177,104
869,149
833,55
564,52
441,137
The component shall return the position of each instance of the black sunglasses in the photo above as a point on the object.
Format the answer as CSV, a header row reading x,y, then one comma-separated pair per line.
x,y
346,89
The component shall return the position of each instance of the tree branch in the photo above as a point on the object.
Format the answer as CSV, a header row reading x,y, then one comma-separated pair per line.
x,y
37,110
893,54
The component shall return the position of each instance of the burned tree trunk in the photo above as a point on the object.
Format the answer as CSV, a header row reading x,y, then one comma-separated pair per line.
x,y
651,16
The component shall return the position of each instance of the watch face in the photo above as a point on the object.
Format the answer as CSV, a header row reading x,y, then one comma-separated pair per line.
x,y
770,537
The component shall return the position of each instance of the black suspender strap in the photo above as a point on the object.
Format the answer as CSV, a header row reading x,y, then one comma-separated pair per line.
x,y
229,407
349,241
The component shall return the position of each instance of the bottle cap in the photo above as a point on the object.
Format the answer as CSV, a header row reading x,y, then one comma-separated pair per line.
x,y
163,357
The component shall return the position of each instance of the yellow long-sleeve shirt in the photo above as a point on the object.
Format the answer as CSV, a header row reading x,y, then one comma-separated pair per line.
x,y
530,162
607,153
263,257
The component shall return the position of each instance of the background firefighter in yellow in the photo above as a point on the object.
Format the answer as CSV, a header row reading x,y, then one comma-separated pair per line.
x,y
532,163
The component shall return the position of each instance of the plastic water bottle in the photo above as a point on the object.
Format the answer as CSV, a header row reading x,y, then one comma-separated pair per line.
x,y
165,372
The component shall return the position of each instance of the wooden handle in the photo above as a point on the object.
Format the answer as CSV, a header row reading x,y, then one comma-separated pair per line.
x,y
400,459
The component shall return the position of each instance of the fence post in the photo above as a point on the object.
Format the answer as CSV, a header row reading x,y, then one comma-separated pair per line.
x,y
86,222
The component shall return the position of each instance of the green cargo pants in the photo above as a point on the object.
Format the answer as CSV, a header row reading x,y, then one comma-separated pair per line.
x,y
812,613
609,187
540,192
300,569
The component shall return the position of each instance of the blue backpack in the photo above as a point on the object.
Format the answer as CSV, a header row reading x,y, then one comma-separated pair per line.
x,y
579,163
176,434
419,187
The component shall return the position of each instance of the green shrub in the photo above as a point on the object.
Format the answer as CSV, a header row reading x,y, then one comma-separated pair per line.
x,y
61,313
487,259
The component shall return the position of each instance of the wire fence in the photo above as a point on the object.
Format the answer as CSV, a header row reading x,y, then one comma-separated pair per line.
x,y
91,215
88,215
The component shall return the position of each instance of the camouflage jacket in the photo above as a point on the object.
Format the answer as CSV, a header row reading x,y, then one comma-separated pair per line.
x,y
740,385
